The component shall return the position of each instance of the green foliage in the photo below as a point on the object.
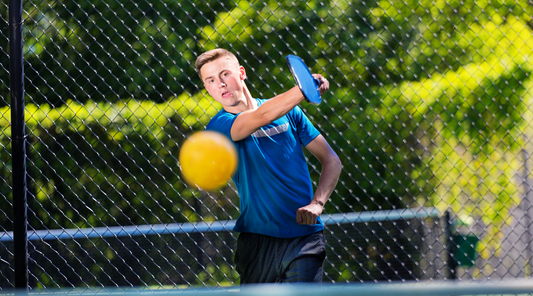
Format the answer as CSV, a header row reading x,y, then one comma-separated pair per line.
x,y
102,164
112,50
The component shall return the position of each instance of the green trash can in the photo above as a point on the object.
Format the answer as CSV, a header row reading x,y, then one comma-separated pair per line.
x,y
464,249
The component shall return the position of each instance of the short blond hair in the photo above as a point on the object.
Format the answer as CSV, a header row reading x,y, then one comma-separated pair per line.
x,y
212,55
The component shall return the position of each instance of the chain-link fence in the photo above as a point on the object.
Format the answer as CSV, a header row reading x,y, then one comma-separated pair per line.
x,y
429,110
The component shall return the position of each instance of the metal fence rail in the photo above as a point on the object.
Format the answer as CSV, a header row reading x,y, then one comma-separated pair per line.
x,y
430,107
158,229
201,254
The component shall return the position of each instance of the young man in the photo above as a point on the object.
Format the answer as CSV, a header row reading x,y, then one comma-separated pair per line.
x,y
281,235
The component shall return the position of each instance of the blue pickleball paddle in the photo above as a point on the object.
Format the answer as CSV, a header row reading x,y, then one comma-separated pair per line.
x,y
306,82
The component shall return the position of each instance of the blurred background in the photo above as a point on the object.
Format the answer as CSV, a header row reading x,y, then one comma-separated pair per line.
x,y
429,111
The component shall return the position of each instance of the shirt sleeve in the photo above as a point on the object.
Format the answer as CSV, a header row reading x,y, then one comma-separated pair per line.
x,y
307,132
222,123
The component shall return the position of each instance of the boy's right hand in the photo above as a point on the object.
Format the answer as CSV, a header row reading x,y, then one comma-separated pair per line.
x,y
324,83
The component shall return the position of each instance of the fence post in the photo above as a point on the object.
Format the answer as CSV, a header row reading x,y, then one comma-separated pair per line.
x,y
526,206
18,138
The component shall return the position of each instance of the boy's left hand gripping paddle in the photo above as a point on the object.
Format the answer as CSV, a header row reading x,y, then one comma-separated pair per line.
x,y
306,82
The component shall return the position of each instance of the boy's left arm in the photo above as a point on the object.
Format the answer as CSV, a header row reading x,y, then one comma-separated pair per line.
x,y
331,170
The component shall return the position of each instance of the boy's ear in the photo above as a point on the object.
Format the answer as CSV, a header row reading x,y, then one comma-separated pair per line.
x,y
242,73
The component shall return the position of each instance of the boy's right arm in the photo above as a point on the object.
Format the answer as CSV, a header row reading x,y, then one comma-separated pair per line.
x,y
249,121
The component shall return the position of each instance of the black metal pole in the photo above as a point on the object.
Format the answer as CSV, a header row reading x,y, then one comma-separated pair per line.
x,y
18,138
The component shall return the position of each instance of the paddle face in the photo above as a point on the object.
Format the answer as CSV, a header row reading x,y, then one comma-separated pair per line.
x,y
307,83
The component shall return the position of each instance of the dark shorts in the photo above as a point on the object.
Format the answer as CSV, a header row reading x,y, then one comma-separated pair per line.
x,y
266,259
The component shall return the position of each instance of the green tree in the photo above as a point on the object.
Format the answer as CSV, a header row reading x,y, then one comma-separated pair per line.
x,y
112,50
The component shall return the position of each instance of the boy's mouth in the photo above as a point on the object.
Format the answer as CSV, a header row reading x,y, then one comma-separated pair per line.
x,y
226,94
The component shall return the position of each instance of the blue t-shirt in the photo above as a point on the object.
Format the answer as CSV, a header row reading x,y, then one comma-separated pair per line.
x,y
272,177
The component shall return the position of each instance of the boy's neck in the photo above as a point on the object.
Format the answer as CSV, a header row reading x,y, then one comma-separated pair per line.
x,y
246,103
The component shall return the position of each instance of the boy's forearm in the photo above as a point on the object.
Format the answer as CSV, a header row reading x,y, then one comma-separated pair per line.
x,y
251,120
281,104
327,181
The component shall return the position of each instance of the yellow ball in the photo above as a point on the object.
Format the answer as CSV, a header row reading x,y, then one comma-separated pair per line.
x,y
208,160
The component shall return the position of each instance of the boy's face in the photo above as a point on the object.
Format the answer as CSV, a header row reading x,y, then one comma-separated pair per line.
x,y
223,79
